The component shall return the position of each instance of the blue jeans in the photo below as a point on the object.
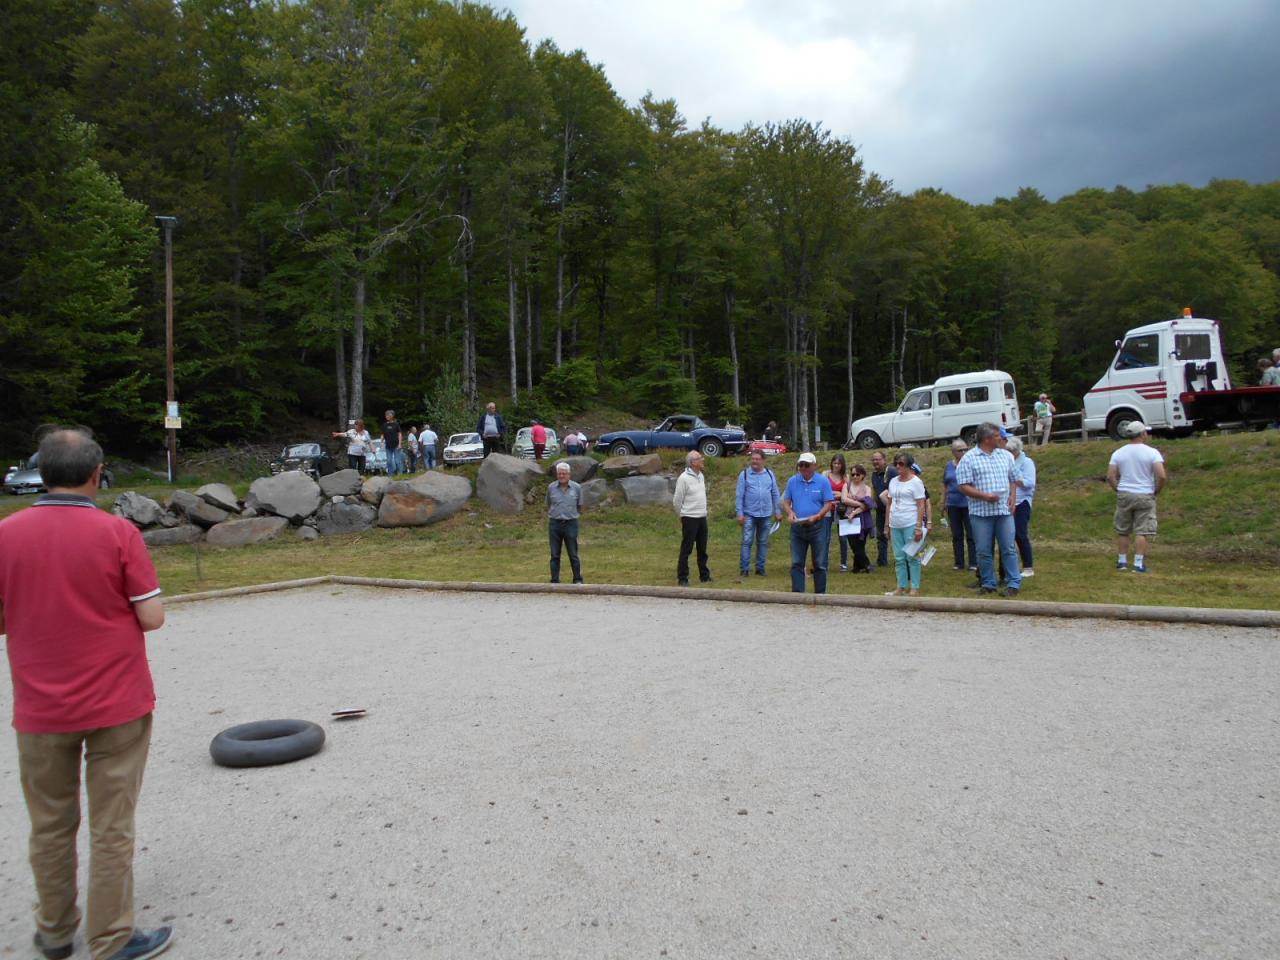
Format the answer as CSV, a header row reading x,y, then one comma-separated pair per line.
x,y
395,461
429,456
907,568
986,532
815,538
755,530
1022,532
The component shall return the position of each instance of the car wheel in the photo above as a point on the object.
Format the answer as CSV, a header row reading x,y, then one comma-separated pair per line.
x,y
868,440
711,447
621,449
264,743
970,436
1118,424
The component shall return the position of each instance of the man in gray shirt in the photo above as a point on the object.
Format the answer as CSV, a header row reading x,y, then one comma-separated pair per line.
x,y
564,502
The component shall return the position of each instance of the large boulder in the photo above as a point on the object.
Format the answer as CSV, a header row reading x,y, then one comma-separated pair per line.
x,y
349,516
220,496
581,469
239,533
595,491
644,464
426,499
188,505
292,495
503,481
373,488
646,491
141,511
168,537
344,483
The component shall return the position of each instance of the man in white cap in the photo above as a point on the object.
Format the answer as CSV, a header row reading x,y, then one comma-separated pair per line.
x,y
1137,475
808,499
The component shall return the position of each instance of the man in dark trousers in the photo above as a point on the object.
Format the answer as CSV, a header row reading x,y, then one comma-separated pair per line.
x,y
77,591
492,429
391,439
880,477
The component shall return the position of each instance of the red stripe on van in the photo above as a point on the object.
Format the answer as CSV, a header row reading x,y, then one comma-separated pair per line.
x,y
1130,386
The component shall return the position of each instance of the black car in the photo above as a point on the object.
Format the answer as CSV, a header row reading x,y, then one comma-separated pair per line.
x,y
310,458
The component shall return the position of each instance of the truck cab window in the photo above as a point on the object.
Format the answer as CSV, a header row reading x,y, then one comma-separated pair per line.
x,y
1192,346
1143,351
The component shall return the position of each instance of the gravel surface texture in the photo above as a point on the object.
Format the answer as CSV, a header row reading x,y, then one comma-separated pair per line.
x,y
584,777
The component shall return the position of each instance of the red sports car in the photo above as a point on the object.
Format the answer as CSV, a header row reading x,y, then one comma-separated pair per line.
x,y
770,448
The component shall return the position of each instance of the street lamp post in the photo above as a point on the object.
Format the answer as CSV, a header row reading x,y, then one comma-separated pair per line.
x,y
169,223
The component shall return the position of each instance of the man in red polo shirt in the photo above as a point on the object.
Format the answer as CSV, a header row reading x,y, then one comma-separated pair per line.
x,y
77,590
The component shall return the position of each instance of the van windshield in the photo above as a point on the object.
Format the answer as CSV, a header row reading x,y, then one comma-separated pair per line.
x,y
1143,351
921,400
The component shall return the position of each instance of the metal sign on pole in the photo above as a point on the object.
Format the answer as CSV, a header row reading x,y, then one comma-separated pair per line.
x,y
171,421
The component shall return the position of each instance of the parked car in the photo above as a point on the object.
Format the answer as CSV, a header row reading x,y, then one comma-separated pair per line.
x,y
523,446
950,407
770,448
680,432
463,448
375,461
24,477
311,458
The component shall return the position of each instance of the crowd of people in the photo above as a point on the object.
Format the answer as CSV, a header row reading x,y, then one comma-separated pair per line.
x,y
407,451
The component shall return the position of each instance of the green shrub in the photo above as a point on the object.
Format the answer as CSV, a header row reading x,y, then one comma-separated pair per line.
x,y
571,386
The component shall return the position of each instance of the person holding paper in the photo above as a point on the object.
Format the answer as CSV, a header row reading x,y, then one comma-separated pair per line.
x,y
858,505
905,524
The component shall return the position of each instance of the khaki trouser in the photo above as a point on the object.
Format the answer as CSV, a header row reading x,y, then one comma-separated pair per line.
x,y
49,763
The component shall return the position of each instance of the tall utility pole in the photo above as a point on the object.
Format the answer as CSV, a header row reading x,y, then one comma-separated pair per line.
x,y
169,223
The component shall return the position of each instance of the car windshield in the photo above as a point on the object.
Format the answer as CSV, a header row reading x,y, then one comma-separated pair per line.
x,y
303,450
462,439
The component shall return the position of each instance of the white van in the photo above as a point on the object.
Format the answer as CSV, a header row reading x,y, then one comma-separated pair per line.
x,y
952,407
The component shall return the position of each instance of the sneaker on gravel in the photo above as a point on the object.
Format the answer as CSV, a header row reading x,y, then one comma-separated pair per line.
x,y
144,944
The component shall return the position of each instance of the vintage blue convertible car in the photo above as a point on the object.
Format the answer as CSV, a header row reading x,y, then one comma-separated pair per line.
x,y
681,432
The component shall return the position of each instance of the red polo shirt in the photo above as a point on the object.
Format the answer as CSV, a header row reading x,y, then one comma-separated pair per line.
x,y
69,576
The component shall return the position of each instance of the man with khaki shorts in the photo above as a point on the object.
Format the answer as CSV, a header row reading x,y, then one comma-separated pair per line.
x,y
1137,474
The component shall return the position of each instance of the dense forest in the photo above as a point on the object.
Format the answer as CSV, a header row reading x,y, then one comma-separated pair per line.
x,y
405,203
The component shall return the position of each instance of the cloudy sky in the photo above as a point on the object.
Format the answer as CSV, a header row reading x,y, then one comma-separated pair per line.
x,y
977,98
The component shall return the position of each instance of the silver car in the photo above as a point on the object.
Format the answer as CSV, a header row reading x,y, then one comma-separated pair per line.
x,y
24,477
523,447
463,448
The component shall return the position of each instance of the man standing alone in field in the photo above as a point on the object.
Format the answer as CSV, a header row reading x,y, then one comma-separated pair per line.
x,y
77,591
1137,475
690,502
564,506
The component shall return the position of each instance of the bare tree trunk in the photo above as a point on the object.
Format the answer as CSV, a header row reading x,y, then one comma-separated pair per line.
x,y
511,327
902,352
528,328
421,297
802,350
340,372
468,334
733,343
792,396
848,362
564,201
814,374
693,362
356,409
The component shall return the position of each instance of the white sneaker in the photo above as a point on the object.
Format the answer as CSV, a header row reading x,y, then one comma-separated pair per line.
x,y
1028,572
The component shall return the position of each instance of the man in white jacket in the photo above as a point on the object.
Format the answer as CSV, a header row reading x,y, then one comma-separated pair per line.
x,y
690,502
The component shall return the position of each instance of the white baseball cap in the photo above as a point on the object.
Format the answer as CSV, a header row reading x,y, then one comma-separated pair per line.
x,y
1137,428
806,458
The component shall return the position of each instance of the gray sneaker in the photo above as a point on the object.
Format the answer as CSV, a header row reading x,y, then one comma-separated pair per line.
x,y
144,944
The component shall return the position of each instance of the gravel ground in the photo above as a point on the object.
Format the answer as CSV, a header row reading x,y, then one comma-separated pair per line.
x,y
565,777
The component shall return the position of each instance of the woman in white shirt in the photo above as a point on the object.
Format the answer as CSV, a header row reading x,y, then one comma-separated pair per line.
x,y
905,523
358,441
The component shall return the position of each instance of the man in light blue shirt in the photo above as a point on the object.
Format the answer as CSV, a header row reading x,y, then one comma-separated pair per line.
x,y
808,499
986,476
758,501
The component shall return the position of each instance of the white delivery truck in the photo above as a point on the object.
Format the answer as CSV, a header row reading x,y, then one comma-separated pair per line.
x,y
1172,376
951,407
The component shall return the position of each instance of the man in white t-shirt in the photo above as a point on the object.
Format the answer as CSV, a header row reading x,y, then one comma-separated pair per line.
x,y
1137,474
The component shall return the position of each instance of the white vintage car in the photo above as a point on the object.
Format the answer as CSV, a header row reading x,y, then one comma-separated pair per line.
x,y
463,448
